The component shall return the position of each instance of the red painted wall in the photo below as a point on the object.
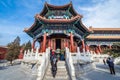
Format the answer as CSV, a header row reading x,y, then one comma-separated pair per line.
x,y
3,51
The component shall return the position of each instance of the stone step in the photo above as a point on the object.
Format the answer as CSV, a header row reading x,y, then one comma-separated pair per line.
x,y
56,78
61,61
58,73
61,72
58,69
61,75
58,65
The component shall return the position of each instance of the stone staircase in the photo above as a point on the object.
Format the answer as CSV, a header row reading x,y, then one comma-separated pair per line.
x,y
61,74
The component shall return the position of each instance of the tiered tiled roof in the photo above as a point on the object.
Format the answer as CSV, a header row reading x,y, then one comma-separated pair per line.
x,y
103,30
53,7
57,20
41,19
74,19
102,37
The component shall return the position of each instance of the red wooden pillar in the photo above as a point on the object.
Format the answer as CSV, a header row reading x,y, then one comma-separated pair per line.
x,y
72,43
75,47
33,44
96,50
54,45
99,48
44,42
66,43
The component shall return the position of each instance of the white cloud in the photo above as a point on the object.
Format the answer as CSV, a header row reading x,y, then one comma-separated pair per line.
x,y
103,15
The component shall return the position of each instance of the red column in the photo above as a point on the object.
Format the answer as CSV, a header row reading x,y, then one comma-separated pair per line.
x,y
54,45
99,48
71,41
33,44
44,42
75,47
96,50
66,43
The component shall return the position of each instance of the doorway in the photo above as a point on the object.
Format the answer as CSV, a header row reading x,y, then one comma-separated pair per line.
x,y
58,43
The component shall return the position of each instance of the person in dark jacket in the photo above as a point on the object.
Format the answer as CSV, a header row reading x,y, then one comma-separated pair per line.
x,y
110,63
54,63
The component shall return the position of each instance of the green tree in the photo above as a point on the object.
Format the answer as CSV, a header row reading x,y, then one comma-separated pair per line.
x,y
27,46
115,51
13,50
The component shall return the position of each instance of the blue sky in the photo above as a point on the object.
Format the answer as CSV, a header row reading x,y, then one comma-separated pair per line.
x,y
15,15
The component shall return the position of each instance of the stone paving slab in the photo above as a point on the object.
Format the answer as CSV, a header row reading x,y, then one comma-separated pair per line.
x,y
15,73
100,73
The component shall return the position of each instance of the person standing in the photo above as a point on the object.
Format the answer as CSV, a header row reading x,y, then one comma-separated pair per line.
x,y
110,63
54,64
52,56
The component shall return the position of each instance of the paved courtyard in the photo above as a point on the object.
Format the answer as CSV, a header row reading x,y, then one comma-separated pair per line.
x,y
102,73
17,73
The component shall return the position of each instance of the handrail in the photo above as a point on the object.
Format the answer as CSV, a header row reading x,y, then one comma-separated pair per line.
x,y
44,64
69,62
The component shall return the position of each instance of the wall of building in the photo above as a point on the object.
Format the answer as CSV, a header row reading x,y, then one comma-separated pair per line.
x,y
3,51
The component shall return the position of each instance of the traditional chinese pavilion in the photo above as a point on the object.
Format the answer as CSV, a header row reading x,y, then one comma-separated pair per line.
x,y
58,27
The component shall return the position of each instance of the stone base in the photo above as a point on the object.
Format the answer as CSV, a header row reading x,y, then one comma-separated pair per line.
x,y
30,66
83,67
